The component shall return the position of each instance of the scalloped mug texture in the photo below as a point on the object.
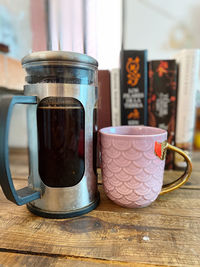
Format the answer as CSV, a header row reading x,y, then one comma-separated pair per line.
x,y
131,172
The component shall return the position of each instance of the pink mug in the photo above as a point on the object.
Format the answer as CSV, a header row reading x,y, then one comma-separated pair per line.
x,y
133,161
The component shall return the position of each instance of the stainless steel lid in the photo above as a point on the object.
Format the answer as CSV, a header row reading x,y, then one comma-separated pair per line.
x,y
63,57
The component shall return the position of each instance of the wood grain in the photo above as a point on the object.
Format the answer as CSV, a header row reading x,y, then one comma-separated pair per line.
x,y
165,233
19,259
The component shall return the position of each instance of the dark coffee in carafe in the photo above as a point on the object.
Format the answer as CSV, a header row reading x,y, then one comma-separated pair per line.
x,y
60,141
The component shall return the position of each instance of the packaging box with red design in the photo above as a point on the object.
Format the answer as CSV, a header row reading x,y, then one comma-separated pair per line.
x,y
133,76
162,94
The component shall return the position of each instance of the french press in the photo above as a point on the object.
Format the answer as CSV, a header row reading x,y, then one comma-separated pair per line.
x,y
61,98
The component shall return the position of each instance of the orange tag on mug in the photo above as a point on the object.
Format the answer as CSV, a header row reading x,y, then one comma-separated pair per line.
x,y
158,149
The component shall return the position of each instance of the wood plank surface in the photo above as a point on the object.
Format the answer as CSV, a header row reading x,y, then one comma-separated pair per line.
x,y
167,233
19,259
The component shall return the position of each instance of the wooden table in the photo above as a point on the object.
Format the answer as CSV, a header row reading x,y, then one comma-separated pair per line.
x,y
166,233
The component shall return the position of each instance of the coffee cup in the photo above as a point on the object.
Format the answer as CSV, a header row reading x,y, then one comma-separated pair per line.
x,y
133,161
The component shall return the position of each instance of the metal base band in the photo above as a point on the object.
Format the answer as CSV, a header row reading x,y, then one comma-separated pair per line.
x,y
65,215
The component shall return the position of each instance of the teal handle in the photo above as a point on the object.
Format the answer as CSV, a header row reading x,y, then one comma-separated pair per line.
x,y
26,194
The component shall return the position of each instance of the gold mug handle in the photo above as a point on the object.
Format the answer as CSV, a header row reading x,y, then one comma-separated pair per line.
x,y
160,151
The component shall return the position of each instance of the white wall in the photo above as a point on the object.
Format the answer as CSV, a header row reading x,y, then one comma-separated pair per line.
x,y
15,27
161,26
15,31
